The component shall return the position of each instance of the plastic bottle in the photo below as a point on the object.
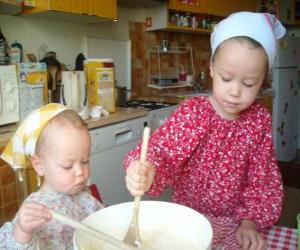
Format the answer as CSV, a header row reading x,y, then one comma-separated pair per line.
x,y
182,75
200,81
4,59
16,51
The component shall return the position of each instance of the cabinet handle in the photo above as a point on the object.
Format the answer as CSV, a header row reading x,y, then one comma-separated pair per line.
x,y
123,136
286,105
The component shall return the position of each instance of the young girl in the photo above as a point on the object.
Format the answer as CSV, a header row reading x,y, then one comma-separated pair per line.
x,y
216,152
57,142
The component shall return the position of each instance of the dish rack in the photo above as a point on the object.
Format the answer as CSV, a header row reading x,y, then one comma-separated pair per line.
x,y
166,66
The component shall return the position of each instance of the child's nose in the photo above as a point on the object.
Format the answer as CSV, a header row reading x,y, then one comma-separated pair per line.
x,y
78,170
235,89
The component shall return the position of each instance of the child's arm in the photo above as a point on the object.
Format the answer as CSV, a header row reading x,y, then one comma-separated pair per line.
x,y
139,177
32,215
173,143
261,200
18,234
248,237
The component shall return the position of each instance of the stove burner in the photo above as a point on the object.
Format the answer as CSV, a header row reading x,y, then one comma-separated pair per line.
x,y
147,104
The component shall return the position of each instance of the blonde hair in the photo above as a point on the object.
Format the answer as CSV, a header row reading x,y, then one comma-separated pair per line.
x,y
65,118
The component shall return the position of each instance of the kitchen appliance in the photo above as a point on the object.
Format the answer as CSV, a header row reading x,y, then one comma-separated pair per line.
x,y
74,90
121,96
109,147
33,90
111,143
158,111
9,95
163,225
284,82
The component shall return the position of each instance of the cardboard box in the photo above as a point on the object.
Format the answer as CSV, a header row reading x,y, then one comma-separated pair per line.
x,y
100,77
33,86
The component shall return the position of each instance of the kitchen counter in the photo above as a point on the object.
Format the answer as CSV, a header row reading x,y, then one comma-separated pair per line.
x,y
183,95
121,114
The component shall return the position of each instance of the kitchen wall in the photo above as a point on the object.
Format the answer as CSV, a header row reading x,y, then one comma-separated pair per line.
x,y
141,40
67,39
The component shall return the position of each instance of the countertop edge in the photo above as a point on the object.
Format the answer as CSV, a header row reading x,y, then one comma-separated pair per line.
x,y
121,114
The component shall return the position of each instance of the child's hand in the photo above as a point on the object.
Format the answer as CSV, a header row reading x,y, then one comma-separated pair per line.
x,y
139,177
248,237
31,216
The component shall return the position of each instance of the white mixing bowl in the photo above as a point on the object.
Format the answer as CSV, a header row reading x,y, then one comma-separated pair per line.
x,y
163,226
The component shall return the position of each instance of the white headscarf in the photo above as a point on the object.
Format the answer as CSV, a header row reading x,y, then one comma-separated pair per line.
x,y
262,27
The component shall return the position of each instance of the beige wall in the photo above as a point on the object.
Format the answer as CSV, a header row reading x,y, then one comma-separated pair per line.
x,y
67,39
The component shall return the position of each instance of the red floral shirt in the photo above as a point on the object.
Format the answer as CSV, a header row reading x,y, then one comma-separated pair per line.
x,y
221,168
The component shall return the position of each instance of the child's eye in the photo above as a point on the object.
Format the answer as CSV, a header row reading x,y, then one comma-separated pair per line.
x,y
248,85
66,167
85,162
224,79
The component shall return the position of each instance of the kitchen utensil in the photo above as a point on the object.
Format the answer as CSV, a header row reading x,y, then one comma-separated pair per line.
x,y
89,230
132,236
163,225
121,96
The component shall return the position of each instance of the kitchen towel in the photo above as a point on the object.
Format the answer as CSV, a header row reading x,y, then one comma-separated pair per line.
x,y
262,27
22,145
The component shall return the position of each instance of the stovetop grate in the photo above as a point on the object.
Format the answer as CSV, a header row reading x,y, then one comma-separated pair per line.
x,y
151,105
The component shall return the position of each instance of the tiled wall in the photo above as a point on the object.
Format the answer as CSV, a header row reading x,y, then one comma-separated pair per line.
x,y
11,193
142,40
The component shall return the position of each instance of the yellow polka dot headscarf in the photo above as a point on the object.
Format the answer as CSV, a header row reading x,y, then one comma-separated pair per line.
x,y
22,145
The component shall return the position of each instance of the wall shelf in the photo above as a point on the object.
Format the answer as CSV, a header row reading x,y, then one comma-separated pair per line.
x,y
166,66
188,30
178,85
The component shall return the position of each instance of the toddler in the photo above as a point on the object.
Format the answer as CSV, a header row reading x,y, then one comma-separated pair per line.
x,y
216,152
57,143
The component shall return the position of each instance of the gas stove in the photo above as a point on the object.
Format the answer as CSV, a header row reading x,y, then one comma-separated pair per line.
x,y
158,111
150,105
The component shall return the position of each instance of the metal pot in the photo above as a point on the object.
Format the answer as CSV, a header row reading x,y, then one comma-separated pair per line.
x,y
163,225
121,96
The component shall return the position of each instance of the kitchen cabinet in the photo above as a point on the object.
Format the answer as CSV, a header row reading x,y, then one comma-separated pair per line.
x,y
166,16
288,11
10,7
214,7
201,7
82,11
12,192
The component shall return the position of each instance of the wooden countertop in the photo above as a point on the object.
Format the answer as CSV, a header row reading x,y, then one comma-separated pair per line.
x,y
121,114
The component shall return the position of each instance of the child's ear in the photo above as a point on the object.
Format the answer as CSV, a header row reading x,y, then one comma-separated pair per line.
x,y
211,69
37,165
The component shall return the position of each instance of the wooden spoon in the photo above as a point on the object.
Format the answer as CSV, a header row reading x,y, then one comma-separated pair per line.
x,y
90,231
132,236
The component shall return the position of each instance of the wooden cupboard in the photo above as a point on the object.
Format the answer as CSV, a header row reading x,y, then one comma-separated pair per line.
x,y
214,7
10,7
12,192
83,11
289,11
212,10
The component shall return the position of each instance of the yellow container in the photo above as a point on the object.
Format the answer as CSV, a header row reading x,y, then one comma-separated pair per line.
x,y
29,3
100,75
